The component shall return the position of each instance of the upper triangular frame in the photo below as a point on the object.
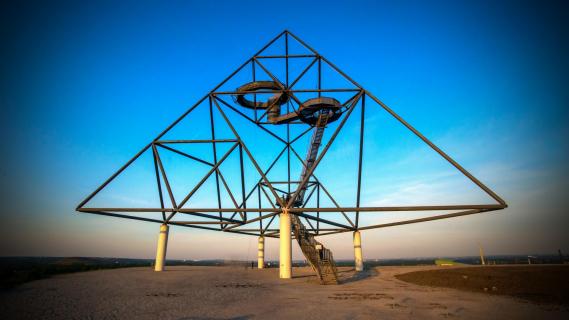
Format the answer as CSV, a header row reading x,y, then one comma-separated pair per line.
x,y
235,218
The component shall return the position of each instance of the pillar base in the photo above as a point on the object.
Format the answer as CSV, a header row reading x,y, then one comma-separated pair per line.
x,y
358,257
261,253
161,248
285,252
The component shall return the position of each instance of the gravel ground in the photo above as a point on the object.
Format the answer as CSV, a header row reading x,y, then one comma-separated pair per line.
x,y
238,293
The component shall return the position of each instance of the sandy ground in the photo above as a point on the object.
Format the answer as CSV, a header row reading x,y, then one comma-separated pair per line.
x,y
237,293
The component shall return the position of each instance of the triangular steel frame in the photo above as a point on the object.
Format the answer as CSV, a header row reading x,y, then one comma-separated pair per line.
x,y
268,189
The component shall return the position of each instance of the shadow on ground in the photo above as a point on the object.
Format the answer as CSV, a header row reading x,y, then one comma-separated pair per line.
x,y
344,276
349,276
245,317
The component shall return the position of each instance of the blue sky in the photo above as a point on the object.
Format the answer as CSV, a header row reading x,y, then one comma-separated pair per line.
x,y
84,86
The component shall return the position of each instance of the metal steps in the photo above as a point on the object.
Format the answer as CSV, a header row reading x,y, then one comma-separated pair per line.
x,y
312,153
320,259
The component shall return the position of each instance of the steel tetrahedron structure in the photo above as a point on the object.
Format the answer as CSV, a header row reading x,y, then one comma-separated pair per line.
x,y
277,108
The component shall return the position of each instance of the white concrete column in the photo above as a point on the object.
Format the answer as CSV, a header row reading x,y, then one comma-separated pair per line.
x,y
358,259
261,253
285,257
161,248
482,262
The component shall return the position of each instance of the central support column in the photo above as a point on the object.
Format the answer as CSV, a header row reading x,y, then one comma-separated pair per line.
x,y
285,257
358,259
261,253
161,248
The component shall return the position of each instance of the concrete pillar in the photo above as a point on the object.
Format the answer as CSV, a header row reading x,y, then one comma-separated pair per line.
x,y
481,255
261,253
161,248
285,257
358,258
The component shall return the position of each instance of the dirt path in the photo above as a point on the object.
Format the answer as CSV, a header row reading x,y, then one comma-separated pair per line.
x,y
543,284
236,293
